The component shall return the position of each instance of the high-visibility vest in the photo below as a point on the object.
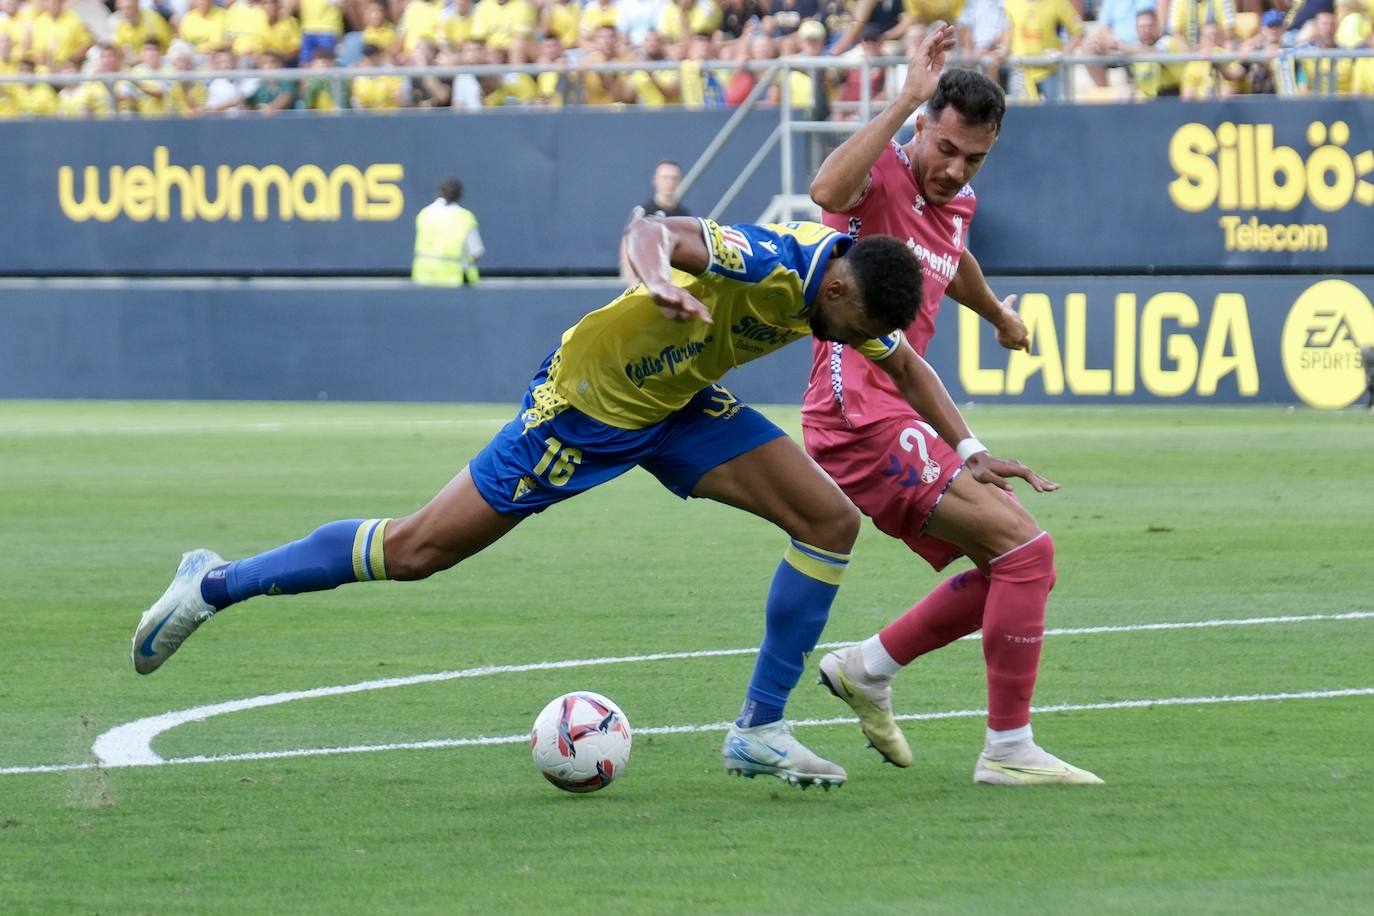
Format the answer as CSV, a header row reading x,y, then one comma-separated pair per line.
x,y
441,234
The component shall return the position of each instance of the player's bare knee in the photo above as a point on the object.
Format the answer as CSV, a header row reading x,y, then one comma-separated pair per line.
x,y
411,556
839,530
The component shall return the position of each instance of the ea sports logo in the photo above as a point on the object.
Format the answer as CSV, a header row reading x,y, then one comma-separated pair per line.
x,y
1321,343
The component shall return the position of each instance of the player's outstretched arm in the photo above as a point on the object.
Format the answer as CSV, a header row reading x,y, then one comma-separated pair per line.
x,y
843,176
970,288
923,390
654,246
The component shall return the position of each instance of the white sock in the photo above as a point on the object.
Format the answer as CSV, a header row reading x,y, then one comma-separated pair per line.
x,y
1008,737
876,660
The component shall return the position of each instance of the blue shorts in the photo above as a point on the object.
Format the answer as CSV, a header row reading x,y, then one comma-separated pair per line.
x,y
313,41
521,471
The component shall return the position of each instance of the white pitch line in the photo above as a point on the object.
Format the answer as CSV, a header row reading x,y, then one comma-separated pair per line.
x,y
484,741
246,426
131,744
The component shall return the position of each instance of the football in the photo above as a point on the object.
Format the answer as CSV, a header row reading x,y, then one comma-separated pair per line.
x,y
581,742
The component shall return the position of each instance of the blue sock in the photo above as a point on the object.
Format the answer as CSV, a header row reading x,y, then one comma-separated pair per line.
x,y
331,555
798,605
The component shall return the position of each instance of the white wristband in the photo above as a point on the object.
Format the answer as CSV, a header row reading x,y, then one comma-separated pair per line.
x,y
969,447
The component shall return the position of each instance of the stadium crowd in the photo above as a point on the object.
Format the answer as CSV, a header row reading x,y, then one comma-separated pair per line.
x,y
711,49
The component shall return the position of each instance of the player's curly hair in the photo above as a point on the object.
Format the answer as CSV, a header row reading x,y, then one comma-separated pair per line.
x,y
889,279
977,99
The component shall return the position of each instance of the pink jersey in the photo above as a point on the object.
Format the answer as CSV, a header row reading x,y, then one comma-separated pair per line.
x,y
847,389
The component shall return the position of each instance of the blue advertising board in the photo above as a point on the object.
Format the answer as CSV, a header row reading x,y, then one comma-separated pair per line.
x,y
1244,339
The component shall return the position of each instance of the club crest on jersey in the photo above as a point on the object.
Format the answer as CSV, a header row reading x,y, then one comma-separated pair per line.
x,y
919,204
526,485
737,238
958,237
855,225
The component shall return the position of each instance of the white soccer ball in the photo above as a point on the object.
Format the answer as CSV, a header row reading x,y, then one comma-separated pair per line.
x,y
581,742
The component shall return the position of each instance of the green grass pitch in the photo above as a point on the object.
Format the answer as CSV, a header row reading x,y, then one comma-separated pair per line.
x,y
1167,516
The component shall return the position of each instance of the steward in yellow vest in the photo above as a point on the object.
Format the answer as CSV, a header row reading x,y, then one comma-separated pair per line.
x,y
447,243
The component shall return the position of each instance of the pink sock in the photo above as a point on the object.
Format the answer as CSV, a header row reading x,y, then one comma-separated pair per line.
x,y
952,610
1014,628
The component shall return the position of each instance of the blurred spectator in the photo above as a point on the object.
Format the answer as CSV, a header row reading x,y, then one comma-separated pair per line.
x,y
203,27
183,97
603,88
702,86
92,98
1298,14
57,35
466,90
1275,75
812,88
1323,75
785,18
1214,77
272,95
681,19
595,15
655,88
735,17
246,26
419,22
636,18
456,22
447,242
509,88
376,93
1114,32
377,29
885,19
927,11
562,19
147,96
131,26
224,94
1187,17
324,92
553,82
983,34
665,180
284,33
36,99
1034,29
321,28
427,91
1362,83
15,22
851,91
1153,79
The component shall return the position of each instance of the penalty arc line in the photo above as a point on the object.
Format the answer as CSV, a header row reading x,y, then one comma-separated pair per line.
x,y
130,744
485,741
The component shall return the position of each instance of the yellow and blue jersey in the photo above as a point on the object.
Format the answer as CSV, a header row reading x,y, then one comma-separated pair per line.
x,y
628,366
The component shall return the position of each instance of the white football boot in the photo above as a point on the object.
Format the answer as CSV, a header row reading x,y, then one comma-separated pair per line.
x,y
772,750
175,616
870,696
1028,764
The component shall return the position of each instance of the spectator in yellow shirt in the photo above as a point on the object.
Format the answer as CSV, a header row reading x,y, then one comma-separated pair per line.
x,y
246,26
1153,79
57,34
36,100
131,26
376,93
1214,77
202,26
456,22
377,29
1187,17
562,19
92,98
419,22
604,88
145,97
595,14
184,97
321,28
505,25
682,18
1033,30
284,34
16,19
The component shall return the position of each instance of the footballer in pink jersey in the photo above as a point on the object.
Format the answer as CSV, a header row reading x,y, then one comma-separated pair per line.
x,y
889,460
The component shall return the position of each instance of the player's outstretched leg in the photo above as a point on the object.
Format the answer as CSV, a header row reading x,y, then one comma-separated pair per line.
x,y
862,675
1013,631
175,615
760,742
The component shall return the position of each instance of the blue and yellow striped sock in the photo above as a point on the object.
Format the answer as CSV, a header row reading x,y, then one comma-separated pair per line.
x,y
331,555
798,606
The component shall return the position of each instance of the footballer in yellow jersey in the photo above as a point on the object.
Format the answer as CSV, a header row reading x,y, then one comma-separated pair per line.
x,y
634,384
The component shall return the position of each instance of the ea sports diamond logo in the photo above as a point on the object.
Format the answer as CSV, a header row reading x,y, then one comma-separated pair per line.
x,y
1321,343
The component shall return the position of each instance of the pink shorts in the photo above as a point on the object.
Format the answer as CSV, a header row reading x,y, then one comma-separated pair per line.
x,y
896,472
